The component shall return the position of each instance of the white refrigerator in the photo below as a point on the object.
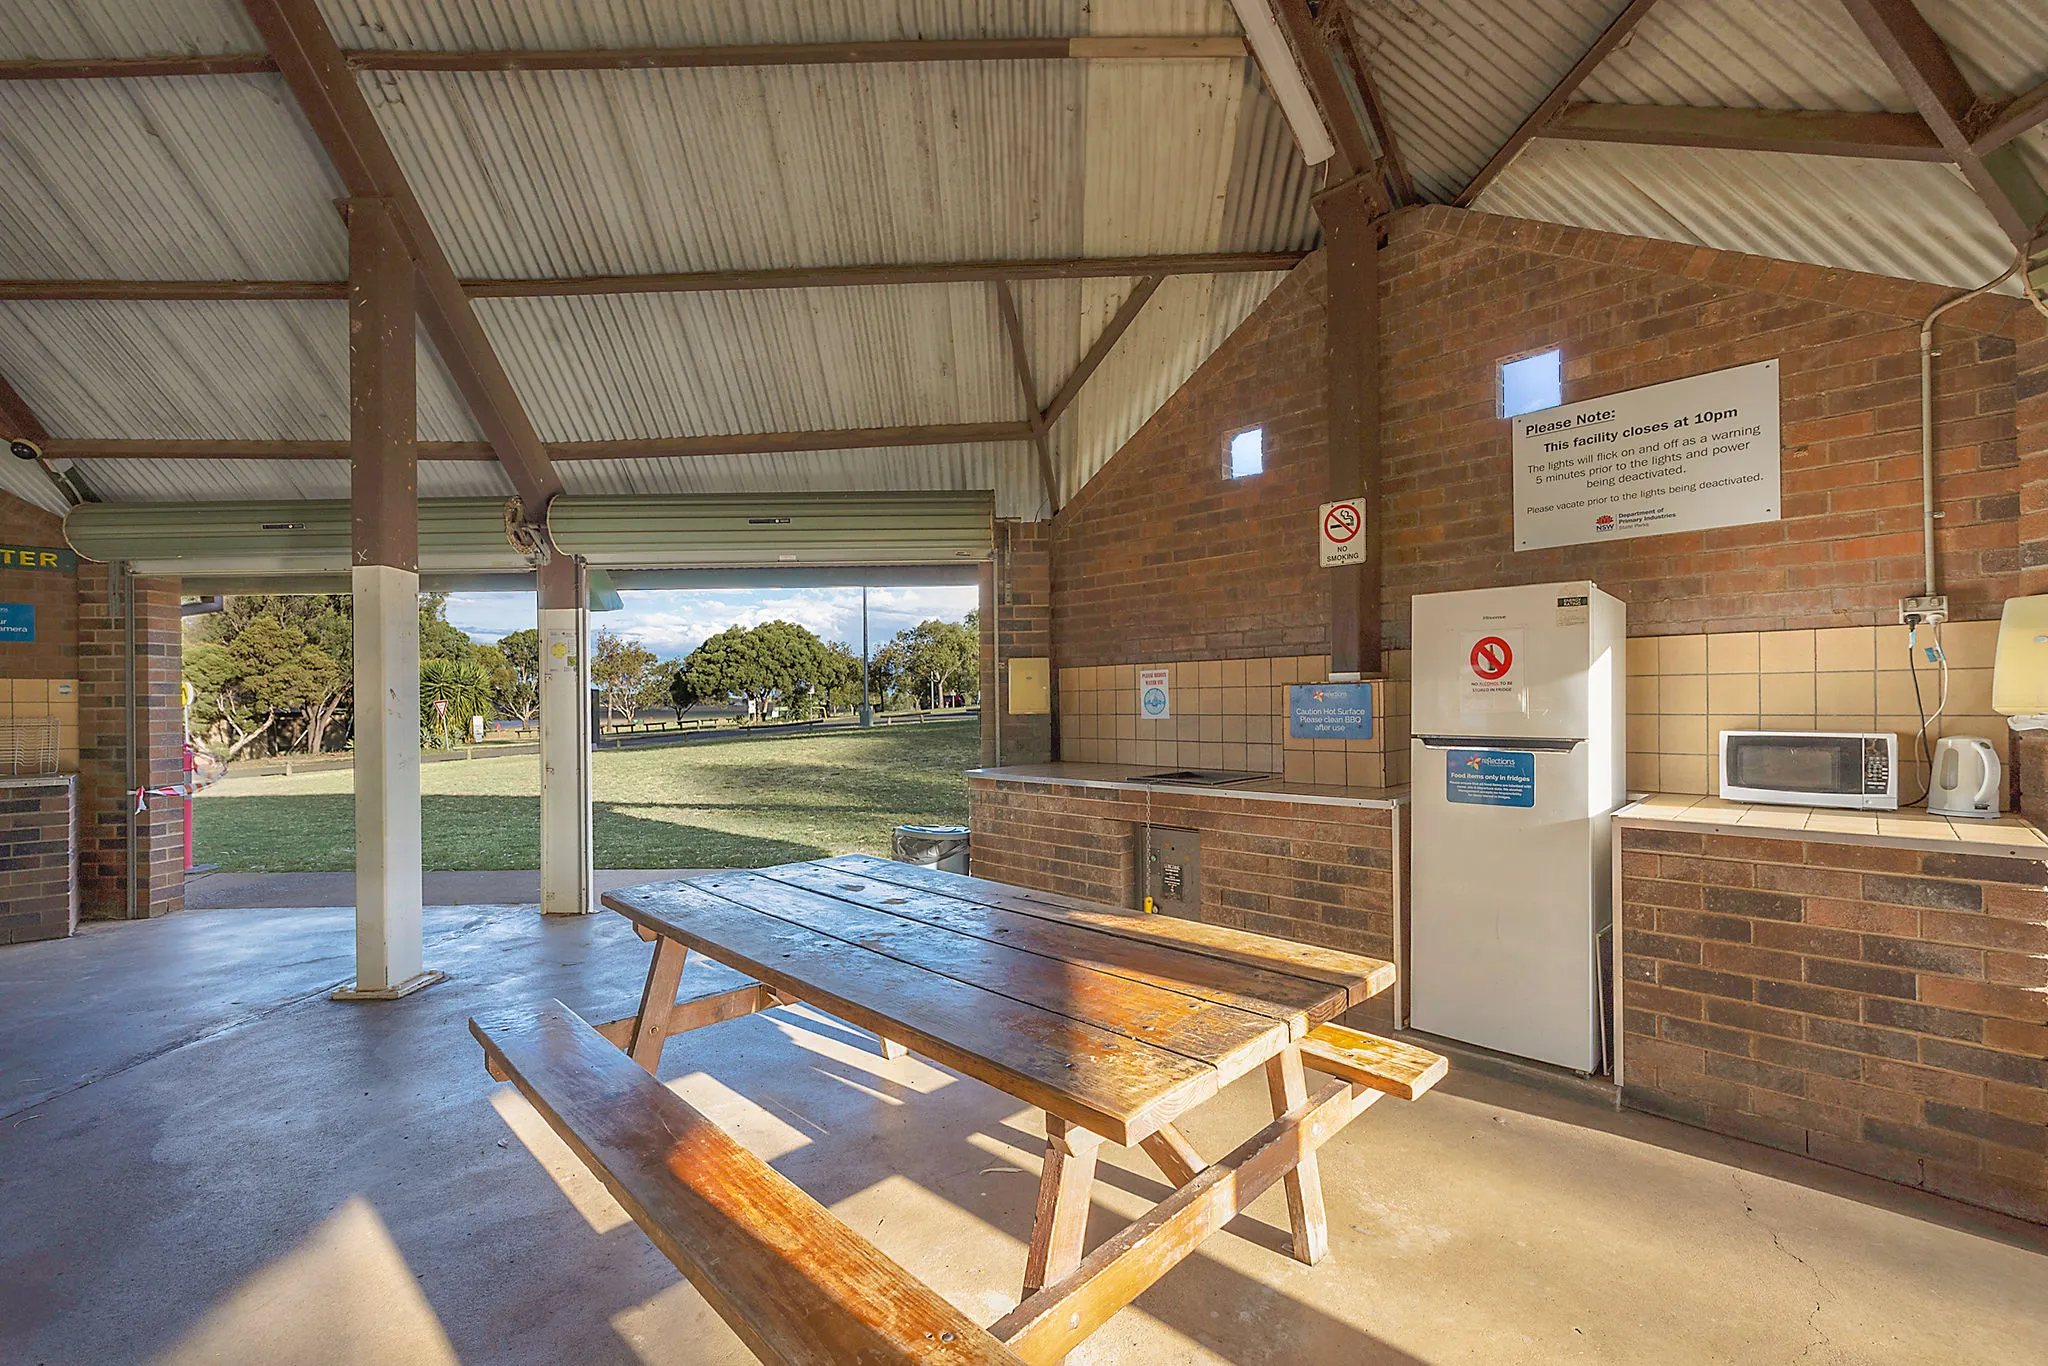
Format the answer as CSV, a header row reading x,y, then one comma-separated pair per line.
x,y
1518,744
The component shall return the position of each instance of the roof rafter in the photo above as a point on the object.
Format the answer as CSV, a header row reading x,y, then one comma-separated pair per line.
x,y
2015,116
686,282
1908,45
1020,359
1399,184
1312,53
333,104
1146,47
1623,25
1119,322
1903,137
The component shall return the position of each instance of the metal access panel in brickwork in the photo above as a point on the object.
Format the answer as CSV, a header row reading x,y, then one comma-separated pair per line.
x,y
1172,871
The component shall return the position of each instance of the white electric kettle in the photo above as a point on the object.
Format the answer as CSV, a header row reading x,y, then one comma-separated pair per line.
x,y
1967,780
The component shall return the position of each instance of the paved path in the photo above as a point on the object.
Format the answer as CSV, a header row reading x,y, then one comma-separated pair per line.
x,y
222,891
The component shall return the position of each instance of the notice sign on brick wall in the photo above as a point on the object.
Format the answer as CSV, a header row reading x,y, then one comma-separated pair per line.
x,y
1682,456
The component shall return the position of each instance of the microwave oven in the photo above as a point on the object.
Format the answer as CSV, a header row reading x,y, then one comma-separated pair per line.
x,y
1856,769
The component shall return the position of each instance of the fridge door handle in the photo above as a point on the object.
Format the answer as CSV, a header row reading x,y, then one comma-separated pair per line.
x,y
1545,744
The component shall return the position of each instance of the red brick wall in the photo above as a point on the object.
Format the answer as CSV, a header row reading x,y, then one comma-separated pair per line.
x,y
1016,601
1311,872
54,652
38,859
1883,1009
1160,557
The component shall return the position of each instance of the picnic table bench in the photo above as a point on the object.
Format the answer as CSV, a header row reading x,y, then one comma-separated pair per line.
x,y
1114,1024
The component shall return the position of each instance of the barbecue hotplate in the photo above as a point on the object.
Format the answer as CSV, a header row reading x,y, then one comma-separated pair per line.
x,y
1196,777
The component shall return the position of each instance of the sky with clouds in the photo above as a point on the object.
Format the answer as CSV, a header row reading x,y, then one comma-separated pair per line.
x,y
673,622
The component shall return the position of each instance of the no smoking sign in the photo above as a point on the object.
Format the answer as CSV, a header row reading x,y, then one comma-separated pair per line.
x,y
1341,528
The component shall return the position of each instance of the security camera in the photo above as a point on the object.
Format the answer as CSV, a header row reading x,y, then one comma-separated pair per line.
x,y
21,448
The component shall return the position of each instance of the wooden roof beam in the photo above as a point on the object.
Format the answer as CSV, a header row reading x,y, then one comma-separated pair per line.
x,y
641,448
333,104
1147,47
1899,137
1340,117
685,282
2001,124
1020,359
1908,45
1540,117
1119,322
1400,186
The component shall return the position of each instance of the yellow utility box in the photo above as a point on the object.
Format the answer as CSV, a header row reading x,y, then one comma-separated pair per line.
x,y
1030,690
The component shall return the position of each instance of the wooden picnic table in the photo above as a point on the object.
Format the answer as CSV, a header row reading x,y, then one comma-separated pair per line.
x,y
1113,1023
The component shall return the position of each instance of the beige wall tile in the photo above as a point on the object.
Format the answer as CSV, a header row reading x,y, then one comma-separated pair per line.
x,y
1315,669
1846,693
1258,673
1895,693
1717,724
1211,729
1260,730
1786,721
1643,773
1845,649
1685,695
31,690
1891,648
1788,693
1682,773
1682,735
1235,730
1235,757
1329,768
1969,644
1299,766
1209,673
1969,691
1262,758
1849,721
1642,655
1233,674
1283,670
1400,663
1236,701
1734,693
1642,734
1365,770
1785,652
1642,695
1681,654
1732,653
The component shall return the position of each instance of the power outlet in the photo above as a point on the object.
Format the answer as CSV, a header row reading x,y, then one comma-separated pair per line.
x,y
1923,611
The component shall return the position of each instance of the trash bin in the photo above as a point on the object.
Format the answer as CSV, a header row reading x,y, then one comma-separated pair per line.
x,y
935,846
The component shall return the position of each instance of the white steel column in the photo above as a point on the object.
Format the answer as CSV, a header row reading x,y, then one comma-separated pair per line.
x,y
384,576
565,844
387,708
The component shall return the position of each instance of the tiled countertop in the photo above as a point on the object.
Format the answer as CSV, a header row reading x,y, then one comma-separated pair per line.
x,y
2008,836
1118,777
34,779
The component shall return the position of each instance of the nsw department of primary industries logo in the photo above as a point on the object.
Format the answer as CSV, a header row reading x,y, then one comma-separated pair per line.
x,y
1603,522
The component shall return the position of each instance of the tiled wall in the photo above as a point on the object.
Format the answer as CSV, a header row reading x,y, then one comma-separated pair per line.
x,y
1683,691
36,698
1231,714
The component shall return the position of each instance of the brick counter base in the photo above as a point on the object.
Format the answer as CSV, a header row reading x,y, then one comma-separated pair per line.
x,y
38,859
1306,871
1877,1008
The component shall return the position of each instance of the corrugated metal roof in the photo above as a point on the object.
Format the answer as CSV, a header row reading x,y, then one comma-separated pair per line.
x,y
1915,219
206,178
1006,468
1747,54
124,28
199,371
25,481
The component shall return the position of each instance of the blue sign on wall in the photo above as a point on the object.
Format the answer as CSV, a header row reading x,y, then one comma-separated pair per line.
x,y
1329,711
17,621
1490,777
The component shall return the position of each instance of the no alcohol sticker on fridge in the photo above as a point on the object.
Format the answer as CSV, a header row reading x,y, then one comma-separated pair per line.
x,y
1490,679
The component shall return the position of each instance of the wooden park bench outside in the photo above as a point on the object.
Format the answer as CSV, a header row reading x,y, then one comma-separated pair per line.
x,y
914,955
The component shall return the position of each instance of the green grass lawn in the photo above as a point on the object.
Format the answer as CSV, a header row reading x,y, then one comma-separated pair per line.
x,y
721,804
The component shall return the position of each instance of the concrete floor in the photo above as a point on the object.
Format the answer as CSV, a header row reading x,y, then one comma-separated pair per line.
x,y
202,1159
221,891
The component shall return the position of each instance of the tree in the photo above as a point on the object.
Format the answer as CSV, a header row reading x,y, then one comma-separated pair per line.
x,y
217,704
464,685
440,638
622,668
934,654
521,698
775,660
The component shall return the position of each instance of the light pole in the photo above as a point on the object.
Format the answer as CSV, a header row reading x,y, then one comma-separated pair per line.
x,y
867,710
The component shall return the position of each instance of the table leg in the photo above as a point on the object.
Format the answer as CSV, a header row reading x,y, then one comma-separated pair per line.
x,y
1288,1088
657,1003
1061,1223
1174,1154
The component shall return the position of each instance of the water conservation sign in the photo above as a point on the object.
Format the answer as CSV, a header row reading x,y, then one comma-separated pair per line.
x,y
1683,456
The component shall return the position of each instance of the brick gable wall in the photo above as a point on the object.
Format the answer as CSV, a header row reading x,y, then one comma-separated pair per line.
x,y
1161,557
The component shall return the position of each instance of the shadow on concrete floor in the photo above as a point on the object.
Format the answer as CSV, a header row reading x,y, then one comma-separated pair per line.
x,y
275,1177
224,891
